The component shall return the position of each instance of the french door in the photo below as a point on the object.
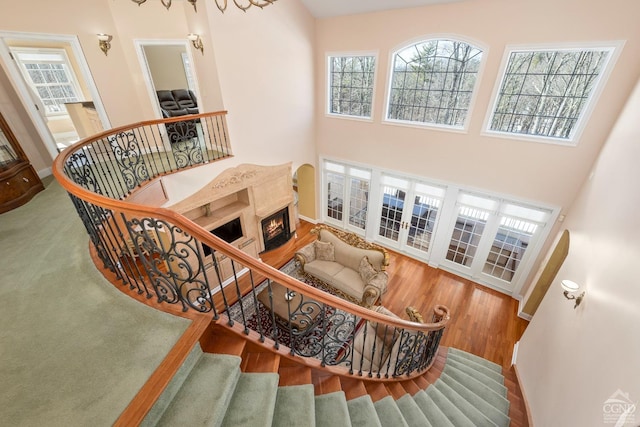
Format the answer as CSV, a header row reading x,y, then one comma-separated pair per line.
x,y
347,196
409,214
489,238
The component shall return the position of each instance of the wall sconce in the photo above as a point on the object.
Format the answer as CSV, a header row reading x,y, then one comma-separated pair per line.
x,y
104,41
196,41
570,290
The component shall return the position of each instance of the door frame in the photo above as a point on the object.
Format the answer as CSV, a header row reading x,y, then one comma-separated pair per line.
x,y
17,80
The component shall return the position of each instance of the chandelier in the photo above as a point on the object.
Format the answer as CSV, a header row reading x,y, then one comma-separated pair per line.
x,y
222,4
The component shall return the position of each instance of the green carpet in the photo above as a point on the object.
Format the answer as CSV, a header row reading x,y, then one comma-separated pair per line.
x,y
74,350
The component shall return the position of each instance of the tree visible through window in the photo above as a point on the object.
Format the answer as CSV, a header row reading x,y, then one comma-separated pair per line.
x,y
48,73
433,82
351,85
545,93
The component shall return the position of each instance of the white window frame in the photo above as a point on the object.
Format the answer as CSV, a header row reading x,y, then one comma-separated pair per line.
x,y
73,80
474,95
328,58
614,47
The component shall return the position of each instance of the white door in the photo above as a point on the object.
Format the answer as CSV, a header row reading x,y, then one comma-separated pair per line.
x,y
346,196
408,215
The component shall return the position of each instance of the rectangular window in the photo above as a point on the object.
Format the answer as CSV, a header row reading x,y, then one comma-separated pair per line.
x,y
351,85
50,76
546,93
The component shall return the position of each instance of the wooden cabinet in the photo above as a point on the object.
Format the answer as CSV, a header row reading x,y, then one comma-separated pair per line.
x,y
18,181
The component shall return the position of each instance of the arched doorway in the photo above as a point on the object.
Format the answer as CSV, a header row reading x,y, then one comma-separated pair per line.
x,y
549,273
305,183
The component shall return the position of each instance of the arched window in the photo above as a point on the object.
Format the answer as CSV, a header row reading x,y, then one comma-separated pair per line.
x,y
433,82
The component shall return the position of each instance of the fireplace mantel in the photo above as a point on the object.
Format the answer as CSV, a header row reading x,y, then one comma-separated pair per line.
x,y
251,192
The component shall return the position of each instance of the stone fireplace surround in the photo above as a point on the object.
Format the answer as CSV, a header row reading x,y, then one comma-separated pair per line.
x,y
250,192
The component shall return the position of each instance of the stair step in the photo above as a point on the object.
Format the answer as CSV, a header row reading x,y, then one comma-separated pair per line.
x,y
455,415
479,388
353,388
410,387
253,401
326,384
496,415
260,362
174,386
225,342
331,410
488,381
295,406
471,412
362,412
204,396
396,390
411,412
294,375
377,391
430,410
496,376
477,359
389,413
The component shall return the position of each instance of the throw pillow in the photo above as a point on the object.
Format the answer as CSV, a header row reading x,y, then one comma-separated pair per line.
x,y
325,251
366,270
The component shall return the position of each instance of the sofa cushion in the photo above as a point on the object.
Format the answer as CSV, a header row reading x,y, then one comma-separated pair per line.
x,y
325,251
350,282
366,270
323,270
350,256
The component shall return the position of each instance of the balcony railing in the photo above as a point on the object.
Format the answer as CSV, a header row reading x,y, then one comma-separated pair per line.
x,y
158,253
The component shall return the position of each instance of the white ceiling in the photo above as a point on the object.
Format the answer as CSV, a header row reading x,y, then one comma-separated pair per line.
x,y
328,8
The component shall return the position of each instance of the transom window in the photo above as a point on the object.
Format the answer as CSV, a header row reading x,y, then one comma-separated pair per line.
x,y
545,93
48,73
433,82
351,85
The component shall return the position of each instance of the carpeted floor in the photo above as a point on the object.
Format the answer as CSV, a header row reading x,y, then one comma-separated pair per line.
x,y
73,349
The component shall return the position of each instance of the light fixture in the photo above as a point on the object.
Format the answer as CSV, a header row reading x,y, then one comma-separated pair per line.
x,y
570,290
196,41
104,41
221,4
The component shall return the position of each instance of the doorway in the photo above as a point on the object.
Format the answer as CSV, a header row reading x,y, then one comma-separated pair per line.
x,y
52,78
167,65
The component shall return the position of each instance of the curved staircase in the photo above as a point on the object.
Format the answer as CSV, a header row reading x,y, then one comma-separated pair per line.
x,y
238,383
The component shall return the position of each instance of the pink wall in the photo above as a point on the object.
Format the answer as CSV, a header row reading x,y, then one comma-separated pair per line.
x,y
540,172
571,361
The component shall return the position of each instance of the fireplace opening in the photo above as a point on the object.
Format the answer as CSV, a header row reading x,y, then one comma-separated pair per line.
x,y
276,229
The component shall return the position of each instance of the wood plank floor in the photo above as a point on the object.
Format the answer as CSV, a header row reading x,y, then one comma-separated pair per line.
x,y
483,321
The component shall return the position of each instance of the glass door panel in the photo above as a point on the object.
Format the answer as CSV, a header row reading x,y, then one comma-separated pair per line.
x,y
335,194
509,246
427,201
358,202
466,235
392,209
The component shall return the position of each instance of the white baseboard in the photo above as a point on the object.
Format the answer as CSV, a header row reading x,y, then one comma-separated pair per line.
x,y
522,314
514,357
312,221
527,408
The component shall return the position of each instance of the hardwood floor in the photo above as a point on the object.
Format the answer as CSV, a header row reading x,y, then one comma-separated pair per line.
x,y
483,321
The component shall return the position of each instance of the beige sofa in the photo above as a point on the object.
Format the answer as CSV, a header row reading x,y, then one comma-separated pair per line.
x,y
346,262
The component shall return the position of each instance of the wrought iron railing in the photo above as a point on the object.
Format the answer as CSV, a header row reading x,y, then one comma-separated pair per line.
x,y
159,254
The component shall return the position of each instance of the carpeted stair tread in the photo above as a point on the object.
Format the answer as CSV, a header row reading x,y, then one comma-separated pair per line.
x,y
389,413
362,412
411,412
295,406
477,359
455,415
203,398
498,416
469,370
477,387
331,410
497,377
430,410
174,386
253,401
466,407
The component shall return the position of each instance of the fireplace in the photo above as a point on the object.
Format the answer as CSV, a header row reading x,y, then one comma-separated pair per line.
x,y
276,230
